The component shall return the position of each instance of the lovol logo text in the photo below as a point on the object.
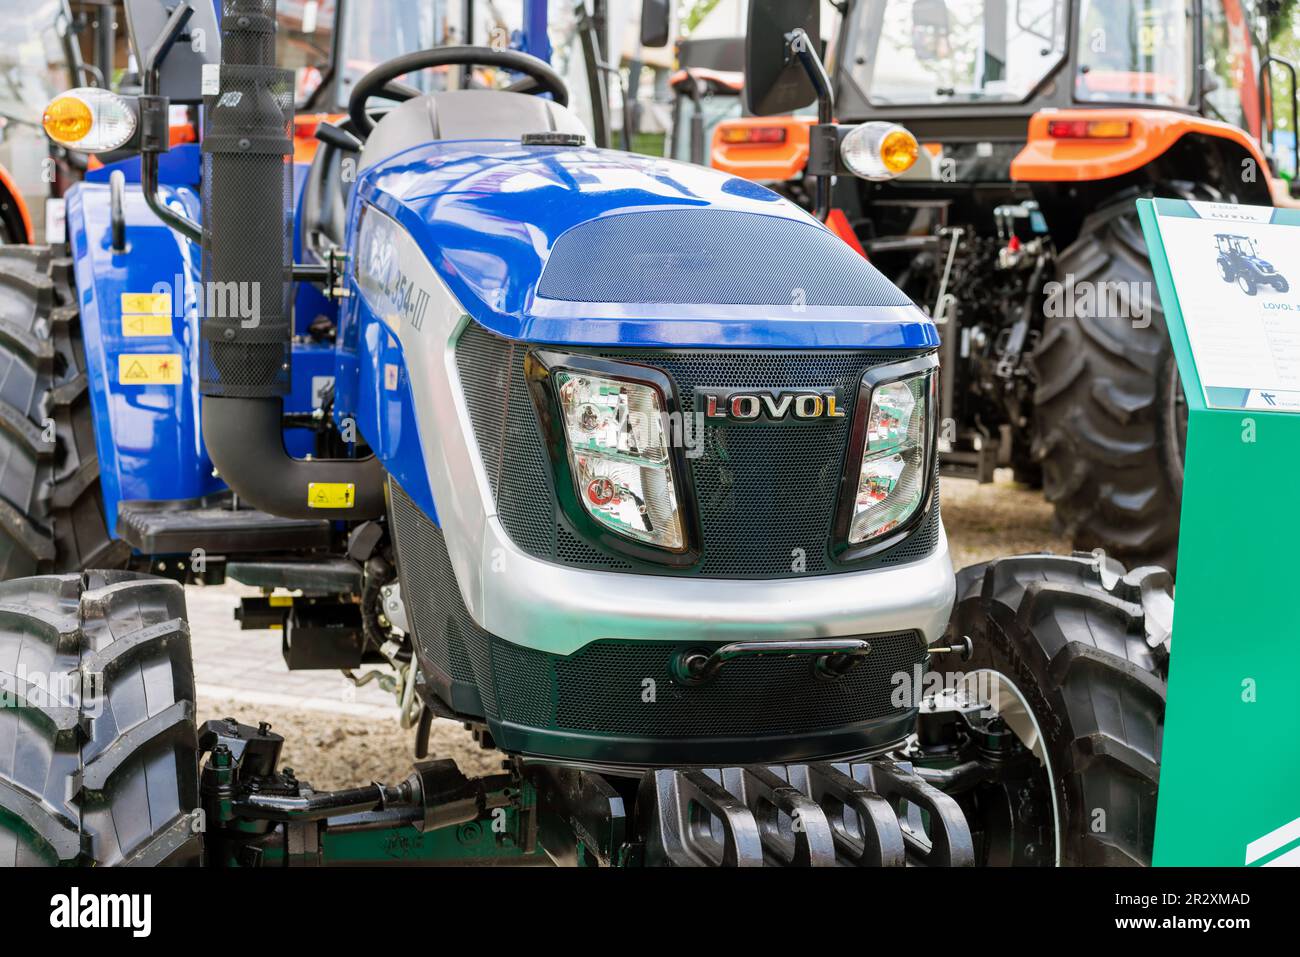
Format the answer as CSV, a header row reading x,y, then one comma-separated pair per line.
x,y
770,405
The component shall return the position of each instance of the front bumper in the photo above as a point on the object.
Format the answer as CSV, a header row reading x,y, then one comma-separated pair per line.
x,y
579,666
556,609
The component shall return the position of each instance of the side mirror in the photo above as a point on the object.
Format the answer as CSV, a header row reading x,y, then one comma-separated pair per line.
x,y
655,18
199,45
774,82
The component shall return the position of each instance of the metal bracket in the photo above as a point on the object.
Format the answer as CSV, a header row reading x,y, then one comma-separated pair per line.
x,y
792,827
696,822
949,841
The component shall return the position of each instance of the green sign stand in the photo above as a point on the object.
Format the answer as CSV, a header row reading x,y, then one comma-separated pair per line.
x,y
1230,774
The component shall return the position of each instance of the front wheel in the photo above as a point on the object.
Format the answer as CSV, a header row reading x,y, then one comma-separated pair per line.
x,y
1073,652
1281,285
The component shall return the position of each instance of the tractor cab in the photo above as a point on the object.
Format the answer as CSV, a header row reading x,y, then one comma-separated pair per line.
x,y
951,66
1239,246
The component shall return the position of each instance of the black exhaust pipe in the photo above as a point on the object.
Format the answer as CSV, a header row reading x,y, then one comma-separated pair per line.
x,y
247,272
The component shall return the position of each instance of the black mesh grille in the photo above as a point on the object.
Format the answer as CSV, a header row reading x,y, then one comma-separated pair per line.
x,y
711,256
766,493
626,688
447,638
247,195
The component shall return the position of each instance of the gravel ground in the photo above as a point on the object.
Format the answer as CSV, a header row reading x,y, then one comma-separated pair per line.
x,y
334,750
341,744
1002,518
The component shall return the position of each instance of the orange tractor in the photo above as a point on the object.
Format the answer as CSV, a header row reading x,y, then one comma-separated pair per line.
x,y
1039,123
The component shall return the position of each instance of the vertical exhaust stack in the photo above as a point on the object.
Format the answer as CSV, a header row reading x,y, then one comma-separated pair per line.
x,y
246,193
246,327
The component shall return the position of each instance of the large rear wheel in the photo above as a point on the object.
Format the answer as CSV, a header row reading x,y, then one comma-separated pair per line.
x,y
1110,421
51,509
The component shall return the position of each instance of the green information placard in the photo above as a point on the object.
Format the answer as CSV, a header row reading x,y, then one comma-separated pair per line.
x,y
1228,277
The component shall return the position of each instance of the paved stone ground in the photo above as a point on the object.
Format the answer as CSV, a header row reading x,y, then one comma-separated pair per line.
x,y
335,733
247,665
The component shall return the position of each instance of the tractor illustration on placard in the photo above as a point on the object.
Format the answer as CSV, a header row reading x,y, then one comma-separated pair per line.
x,y
1239,261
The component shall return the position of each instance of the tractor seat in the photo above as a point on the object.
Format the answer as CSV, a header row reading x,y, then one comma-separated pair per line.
x,y
325,195
466,115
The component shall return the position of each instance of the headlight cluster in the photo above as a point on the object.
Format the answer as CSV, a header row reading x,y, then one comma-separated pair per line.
x,y
613,446
619,456
893,479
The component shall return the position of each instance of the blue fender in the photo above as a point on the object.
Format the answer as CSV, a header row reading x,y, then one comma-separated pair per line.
x,y
147,432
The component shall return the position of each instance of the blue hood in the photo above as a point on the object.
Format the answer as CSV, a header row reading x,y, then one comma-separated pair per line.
x,y
581,246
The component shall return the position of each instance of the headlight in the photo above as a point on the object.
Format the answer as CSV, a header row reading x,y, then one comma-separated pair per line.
x,y
879,151
90,120
896,440
619,455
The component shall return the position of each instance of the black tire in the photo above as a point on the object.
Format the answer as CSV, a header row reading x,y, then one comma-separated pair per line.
x,y
1225,271
1281,285
1072,635
51,509
1246,283
12,228
1109,419
108,776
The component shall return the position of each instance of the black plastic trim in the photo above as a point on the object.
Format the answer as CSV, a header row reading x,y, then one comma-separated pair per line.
x,y
868,736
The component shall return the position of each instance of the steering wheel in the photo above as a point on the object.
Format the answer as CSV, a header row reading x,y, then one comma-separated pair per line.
x,y
378,81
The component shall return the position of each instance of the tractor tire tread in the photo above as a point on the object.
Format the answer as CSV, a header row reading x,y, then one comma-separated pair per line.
x,y
108,772
1069,633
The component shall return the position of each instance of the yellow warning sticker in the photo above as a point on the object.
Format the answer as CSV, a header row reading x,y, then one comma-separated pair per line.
x,y
136,326
331,494
139,369
146,304
281,601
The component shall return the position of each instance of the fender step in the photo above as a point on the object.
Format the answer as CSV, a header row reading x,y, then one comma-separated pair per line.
x,y
213,524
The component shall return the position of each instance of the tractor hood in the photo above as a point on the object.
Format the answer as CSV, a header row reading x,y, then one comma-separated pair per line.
x,y
582,246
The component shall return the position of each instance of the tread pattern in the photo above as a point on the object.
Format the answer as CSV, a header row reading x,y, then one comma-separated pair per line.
x,y
1102,427
101,765
51,510
1072,633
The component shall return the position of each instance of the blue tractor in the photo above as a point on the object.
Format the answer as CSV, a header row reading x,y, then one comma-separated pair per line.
x,y
625,463
1239,262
